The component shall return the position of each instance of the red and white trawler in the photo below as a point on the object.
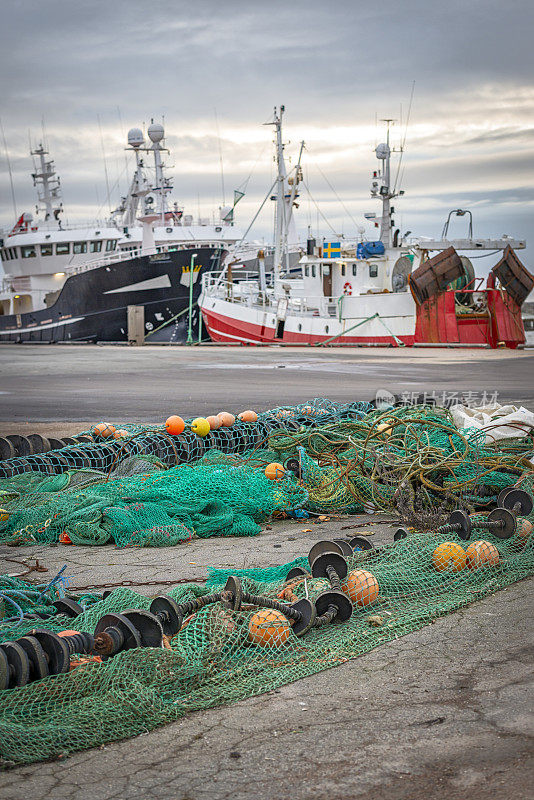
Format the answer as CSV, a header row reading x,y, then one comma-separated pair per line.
x,y
393,291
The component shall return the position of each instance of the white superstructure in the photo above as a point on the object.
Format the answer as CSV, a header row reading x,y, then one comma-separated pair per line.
x,y
39,253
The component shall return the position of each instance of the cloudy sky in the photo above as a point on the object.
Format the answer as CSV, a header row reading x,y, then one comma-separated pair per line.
x,y
337,66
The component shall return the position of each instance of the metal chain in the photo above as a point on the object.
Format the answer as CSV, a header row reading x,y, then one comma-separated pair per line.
x,y
135,583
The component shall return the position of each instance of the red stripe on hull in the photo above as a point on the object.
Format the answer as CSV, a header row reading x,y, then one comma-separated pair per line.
x,y
233,331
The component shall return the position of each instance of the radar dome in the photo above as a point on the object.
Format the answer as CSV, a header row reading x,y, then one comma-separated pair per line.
x,y
156,132
135,137
382,151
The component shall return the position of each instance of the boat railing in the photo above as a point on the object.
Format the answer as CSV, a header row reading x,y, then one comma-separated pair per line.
x,y
246,291
118,255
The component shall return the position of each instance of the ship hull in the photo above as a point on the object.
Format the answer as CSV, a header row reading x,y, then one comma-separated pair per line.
x,y
372,320
235,323
93,305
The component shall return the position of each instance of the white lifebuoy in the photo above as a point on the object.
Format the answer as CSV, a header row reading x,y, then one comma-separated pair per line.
x,y
347,289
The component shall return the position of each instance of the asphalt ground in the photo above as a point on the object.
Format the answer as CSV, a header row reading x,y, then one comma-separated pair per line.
x,y
70,384
441,713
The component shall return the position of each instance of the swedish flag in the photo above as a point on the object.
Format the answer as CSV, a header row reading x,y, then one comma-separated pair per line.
x,y
332,250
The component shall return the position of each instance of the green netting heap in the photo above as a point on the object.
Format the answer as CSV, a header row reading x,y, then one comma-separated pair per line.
x,y
351,466
359,459
212,660
215,497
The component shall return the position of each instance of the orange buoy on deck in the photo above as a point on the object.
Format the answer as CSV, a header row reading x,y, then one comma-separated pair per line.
x,y
174,425
275,471
268,628
103,430
362,587
449,557
481,554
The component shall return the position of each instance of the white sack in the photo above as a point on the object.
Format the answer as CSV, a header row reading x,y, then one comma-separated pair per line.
x,y
495,420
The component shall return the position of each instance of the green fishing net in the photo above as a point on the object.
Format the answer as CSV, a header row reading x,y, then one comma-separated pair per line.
x,y
349,460
220,656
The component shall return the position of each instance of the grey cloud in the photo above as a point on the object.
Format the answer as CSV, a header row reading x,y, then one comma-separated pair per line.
x,y
333,64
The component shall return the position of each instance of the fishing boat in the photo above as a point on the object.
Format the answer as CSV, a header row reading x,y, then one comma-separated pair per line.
x,y
393,290
75,283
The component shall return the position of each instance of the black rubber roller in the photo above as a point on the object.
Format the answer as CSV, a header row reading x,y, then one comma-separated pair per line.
x,y
36,656
346,549
517,501
324,546
358,543
329,559
297,572
68,607
18,665
339,600
308,614
169,614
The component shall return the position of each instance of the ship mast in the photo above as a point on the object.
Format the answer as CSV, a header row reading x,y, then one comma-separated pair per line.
x,y
138,187
156,132
381,187
280,211
284,197
47,184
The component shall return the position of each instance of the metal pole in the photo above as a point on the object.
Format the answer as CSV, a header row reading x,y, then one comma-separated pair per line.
x,y
199,325
190,328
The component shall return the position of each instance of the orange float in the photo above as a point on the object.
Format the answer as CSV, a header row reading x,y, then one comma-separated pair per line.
x,y
449,557
522,534
268,628
103,430
481,554
248,416
215,423
227,420
275,471
174,425
362,587
121,434
283,413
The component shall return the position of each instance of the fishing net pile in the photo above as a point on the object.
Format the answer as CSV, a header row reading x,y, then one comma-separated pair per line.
x,y
345,459
408,460
215,658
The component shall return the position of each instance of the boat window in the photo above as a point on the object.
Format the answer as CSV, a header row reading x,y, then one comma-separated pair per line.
x,y
327,329
62,248
313,271
326,269
47,249
373,270
5,255
343,270
79,247
300,327
28,251
307,271
14,253
111,244
354,269
95,247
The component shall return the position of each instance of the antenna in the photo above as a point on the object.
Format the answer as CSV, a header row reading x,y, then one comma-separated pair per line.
x,y
403,143
220,155
13,200
45,136
122,137
105,165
